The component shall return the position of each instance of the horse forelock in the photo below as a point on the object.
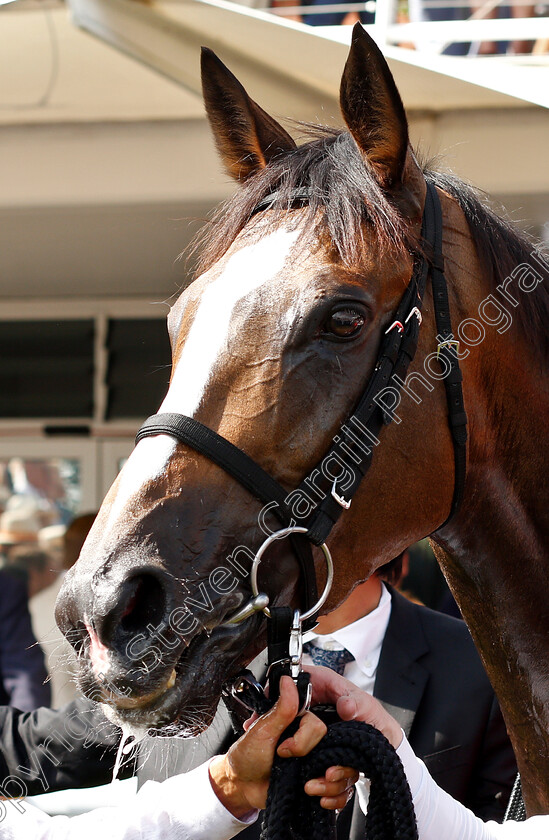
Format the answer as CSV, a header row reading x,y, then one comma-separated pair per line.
x,y
346,205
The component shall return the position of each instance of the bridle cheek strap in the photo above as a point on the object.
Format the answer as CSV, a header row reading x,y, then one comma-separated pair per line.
x,y
447,354
354,443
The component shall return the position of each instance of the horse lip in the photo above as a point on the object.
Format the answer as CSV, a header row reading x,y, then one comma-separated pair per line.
x,y
160,708
121,701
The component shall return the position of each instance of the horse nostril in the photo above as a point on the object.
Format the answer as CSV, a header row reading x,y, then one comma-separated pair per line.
x,y
145,603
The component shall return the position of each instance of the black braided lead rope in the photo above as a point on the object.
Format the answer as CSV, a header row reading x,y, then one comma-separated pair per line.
x,y
293,815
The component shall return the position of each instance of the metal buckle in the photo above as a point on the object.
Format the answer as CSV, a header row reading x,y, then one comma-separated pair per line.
x,y
244,686
339,499
415,311
398,324
448,342
279,535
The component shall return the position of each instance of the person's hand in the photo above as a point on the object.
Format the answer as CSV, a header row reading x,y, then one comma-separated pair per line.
x,y
240,778
338,785
353,704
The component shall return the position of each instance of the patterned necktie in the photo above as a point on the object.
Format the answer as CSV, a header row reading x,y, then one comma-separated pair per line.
x,y
334,659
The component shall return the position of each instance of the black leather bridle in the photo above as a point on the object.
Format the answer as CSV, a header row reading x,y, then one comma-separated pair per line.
x,y
355,440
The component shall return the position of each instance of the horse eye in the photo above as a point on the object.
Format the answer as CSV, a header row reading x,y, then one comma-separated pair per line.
x,y
345,323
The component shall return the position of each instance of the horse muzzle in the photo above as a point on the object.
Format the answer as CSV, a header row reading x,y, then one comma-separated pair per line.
x,y
149,659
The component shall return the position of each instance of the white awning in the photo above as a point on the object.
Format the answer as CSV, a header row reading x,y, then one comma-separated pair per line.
x,y
106,152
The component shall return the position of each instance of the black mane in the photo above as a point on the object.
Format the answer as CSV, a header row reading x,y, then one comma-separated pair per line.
x,y
347,205
501,247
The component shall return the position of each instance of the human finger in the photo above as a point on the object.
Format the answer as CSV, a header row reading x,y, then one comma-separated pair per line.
x,y
240,778
352,703
276,720
347,708
335,803
333,795
339,781
311,731
250,721
337,773
328,685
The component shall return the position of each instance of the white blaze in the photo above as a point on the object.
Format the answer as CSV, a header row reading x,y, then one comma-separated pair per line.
x,y
245,271
148,461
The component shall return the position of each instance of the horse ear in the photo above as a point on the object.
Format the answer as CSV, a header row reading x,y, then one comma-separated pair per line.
x,y
373,110
246,136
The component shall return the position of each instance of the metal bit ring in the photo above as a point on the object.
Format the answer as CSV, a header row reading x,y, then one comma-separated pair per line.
x,y
279,535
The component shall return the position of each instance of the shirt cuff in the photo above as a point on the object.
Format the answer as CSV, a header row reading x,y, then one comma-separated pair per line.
x,y
247,819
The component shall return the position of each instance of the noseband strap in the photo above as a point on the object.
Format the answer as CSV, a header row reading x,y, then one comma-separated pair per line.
x,y
223,453
354,443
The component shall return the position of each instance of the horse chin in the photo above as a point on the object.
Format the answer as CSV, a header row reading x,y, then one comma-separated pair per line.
x,y
167,716
185,701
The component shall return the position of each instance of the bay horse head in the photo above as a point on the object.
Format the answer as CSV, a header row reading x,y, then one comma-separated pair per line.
x,y
298,282
272,344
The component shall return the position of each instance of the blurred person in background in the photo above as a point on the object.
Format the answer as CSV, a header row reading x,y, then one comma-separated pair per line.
x,y
32,566
38,483
22,670
63,546
19,525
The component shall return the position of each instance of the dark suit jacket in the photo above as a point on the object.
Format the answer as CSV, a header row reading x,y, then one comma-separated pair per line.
x,y
22,670
431,679
54,749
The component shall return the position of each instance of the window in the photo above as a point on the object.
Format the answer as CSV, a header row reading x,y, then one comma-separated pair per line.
x,y
47,368
138,368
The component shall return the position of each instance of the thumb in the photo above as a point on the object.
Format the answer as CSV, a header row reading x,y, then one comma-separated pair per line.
x,y
285,709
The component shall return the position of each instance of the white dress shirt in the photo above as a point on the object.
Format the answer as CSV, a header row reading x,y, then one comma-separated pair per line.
x,y
183,807
363,638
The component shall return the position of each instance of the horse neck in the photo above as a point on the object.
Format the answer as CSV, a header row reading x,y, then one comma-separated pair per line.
x,y
495,552
501,588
